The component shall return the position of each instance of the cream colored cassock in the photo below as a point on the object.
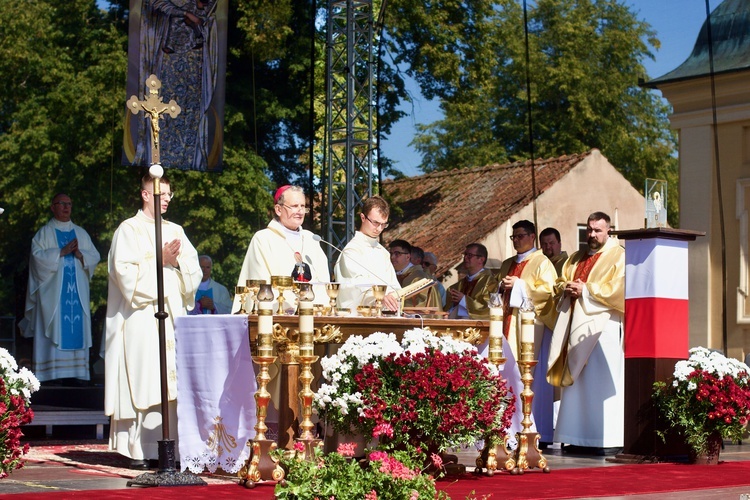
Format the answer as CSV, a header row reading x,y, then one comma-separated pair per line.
x,y
271,253
537,282
132,381
42,320
364,261
592,374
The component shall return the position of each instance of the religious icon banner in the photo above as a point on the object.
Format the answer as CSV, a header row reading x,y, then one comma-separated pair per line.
x,y
183,43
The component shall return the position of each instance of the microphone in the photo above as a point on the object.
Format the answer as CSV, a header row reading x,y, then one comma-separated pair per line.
x,y
381,280
319,239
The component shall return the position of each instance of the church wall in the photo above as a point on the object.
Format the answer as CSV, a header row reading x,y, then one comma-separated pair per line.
x,y
699,206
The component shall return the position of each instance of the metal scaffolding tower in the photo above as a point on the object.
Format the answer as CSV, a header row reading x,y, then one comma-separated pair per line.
x,y
349,115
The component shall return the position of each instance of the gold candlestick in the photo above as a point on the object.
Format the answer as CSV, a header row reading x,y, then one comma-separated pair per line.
x,y
490,456
306,359
528,455
261,464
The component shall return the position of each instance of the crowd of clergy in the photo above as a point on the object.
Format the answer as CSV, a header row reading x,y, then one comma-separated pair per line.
x,y
578,301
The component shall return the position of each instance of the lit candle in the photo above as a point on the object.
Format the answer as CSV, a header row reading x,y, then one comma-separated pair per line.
x,y
527,327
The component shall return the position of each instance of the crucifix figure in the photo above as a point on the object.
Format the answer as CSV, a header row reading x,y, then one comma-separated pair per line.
x,y
154,107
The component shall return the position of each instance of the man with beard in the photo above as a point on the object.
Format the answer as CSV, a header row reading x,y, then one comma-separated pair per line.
x,y
587,358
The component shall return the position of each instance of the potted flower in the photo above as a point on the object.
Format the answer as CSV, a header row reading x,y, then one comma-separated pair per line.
x,y
336,475
707,400
16,387
427,391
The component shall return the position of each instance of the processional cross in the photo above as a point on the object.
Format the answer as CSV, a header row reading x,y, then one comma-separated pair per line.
x,y
168,474
154,107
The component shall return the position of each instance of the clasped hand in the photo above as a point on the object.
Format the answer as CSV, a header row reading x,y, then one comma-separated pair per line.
x,y
170,252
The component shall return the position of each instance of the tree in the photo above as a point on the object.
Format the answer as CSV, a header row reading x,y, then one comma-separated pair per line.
x,y
585,62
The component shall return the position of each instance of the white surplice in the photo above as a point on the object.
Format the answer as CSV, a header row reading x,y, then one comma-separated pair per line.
x,y
43,317
132,393
363,262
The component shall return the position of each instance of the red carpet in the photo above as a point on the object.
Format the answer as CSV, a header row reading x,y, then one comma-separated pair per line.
x,y
569,483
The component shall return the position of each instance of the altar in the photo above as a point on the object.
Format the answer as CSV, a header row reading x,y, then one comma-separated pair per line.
x,y
216,377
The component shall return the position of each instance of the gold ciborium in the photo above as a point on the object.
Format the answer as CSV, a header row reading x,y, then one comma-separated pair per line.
x,y
253,286
281,284
378,291
332,289
242,292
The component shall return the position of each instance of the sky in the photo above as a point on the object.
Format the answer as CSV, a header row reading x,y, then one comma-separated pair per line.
x,y
676,23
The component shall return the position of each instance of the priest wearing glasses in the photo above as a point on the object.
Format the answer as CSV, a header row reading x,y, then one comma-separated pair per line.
x,y
283,248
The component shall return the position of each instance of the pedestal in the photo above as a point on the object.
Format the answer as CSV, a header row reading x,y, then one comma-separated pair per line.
x,y
656,331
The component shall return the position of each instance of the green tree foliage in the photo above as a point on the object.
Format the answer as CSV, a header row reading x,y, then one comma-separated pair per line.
x,y
585,61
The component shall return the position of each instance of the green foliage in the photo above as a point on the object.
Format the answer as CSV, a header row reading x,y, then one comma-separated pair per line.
x,y
397,476
585,63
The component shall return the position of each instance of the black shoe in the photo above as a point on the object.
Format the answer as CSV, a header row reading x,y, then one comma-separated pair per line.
x,y
139,464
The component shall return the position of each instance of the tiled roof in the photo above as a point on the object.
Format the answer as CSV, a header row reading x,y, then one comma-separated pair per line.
x,y
442,212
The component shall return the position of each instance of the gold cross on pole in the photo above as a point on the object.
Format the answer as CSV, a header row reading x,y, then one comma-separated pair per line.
x,y
154,107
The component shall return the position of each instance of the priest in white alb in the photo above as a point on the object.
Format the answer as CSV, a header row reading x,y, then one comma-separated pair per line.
x,y
586,356
58,310
132,389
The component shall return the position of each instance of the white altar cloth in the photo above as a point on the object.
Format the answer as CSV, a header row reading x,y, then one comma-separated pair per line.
x,y
215,388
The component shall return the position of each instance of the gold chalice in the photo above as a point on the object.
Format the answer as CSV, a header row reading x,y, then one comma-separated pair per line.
x,y
281,284
242,292
253,286
378,291
332,289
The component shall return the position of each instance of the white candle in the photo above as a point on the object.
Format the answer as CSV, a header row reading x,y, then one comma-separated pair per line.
x,y
496,321
305,316
527,327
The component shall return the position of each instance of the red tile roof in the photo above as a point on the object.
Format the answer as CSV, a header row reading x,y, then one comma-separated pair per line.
x,y
442,212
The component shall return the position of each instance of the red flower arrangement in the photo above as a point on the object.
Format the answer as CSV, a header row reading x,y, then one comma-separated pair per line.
x,y
709,394
15,390
433,392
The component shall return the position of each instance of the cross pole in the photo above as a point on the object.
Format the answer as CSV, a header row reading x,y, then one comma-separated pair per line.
x,y
167,475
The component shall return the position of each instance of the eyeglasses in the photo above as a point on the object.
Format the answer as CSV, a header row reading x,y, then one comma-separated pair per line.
x,y
396,252
297,208
63,203
518,236
473,255
166,196
376,224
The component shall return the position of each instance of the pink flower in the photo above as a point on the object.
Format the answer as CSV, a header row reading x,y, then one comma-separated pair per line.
x,y
414,495
299,446
378,456
437,461
346,449
382,429
371,496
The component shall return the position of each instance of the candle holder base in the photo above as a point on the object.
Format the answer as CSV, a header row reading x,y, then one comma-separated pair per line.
x,y
528,455
261,466
310,445
491,456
